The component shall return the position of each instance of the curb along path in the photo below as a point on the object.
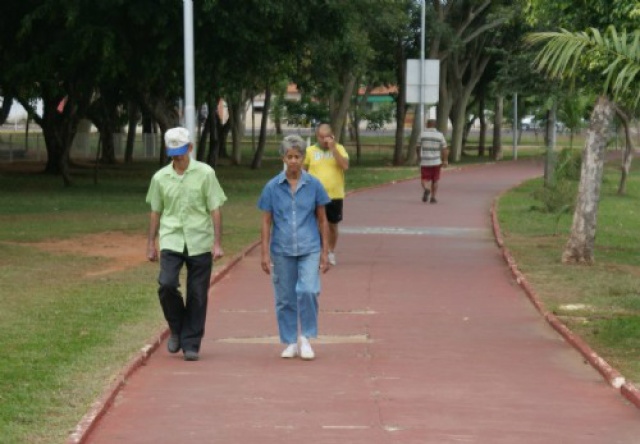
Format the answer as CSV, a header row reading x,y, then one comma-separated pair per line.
x,y
100,407
425,338
610,374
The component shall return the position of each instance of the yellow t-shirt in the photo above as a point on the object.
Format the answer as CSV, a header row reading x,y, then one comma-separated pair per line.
x,y
323,166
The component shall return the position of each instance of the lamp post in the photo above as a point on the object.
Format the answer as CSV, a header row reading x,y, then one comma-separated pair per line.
x,y
189,73
422,70
515,126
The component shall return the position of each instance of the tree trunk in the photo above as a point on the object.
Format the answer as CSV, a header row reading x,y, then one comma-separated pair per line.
x,y
236,109
339,115
458,121
214,136
458,124
148,138
222,132
6,108
358,106
262,140
547,128
519,127
163,159
401,105
202,144
108,146
278,110
468,124
445,101
496,148
104,119
58,130
628,153
103,112
278,126
131,131
463,77
416,130
581,244
483,126
549,164
164,113
26,134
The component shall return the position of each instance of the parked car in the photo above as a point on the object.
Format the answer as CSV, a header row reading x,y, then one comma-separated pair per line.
x,y
529,123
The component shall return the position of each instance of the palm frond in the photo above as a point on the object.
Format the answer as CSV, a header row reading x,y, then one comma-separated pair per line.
x,y
565,52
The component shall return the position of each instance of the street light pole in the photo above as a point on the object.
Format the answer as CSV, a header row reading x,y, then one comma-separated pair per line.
x,y
189,73
515,126
422,70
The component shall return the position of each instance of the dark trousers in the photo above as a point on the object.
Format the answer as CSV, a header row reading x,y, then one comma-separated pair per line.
x,y
186,320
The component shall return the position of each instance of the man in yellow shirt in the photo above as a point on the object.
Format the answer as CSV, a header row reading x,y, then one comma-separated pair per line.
x,y
327,161
185,199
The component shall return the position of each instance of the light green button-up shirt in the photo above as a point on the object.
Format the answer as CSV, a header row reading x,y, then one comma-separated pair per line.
x,y
185,203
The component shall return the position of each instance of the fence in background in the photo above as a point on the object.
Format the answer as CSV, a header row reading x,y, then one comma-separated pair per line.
x,y
17,146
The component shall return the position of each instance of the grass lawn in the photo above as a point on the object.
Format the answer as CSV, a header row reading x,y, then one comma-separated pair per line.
x,y
601,302
65,335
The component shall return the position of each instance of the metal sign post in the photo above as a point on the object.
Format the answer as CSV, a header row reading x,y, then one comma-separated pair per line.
x,y
189,74
515,126
422,70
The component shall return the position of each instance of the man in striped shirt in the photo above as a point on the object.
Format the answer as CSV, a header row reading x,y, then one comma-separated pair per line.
x,y
433,154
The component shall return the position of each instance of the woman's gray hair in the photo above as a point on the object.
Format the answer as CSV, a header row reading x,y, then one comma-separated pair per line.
x,y
293,141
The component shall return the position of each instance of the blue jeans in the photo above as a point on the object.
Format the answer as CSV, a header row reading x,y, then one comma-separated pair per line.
x,y
296,281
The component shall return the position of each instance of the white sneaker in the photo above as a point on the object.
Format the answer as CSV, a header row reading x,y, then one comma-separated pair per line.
x,y
332,258
306,352
290,352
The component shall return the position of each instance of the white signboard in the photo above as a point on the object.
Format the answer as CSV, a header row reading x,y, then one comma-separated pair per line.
x,y
431,81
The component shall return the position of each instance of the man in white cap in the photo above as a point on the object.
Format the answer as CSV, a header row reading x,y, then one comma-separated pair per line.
x,y
185,199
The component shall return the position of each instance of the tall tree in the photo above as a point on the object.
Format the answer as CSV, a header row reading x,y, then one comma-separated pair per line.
x,y
616,59
464,34
629,149
340,49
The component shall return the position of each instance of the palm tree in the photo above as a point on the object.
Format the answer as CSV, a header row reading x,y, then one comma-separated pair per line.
x,y
572,110
614,58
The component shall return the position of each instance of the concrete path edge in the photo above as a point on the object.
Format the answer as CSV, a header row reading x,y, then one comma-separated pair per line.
x,y
610,374
98,409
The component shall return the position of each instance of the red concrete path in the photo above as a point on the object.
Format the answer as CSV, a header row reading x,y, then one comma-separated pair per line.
x,y
428,341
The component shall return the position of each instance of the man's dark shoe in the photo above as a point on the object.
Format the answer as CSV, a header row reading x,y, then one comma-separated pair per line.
x,y
173,344
433,200
425,195
191,355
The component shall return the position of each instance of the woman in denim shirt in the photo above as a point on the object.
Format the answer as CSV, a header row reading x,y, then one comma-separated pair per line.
x,y
294,243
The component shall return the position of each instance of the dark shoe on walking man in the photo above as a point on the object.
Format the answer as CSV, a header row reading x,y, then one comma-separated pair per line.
x,y
173,344
191,355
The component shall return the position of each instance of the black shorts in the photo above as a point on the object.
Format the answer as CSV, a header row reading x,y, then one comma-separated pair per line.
x,y
334,211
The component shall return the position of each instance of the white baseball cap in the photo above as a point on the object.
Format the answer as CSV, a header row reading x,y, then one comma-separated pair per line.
x,y
177,141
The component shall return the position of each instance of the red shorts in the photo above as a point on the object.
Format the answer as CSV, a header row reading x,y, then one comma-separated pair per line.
x,y
430,172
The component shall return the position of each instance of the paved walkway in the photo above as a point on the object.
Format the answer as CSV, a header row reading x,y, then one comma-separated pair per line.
x,y
426,339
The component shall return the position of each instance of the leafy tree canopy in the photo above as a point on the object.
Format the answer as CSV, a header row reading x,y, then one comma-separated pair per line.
x,y
583,14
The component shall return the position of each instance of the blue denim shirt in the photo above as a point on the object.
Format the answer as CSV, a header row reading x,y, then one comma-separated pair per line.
x,y
294,230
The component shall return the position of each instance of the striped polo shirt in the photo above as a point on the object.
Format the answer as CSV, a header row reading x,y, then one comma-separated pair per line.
x,y
432,142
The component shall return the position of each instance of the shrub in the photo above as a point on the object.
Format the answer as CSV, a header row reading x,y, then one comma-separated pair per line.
x,y
560,197
568,165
